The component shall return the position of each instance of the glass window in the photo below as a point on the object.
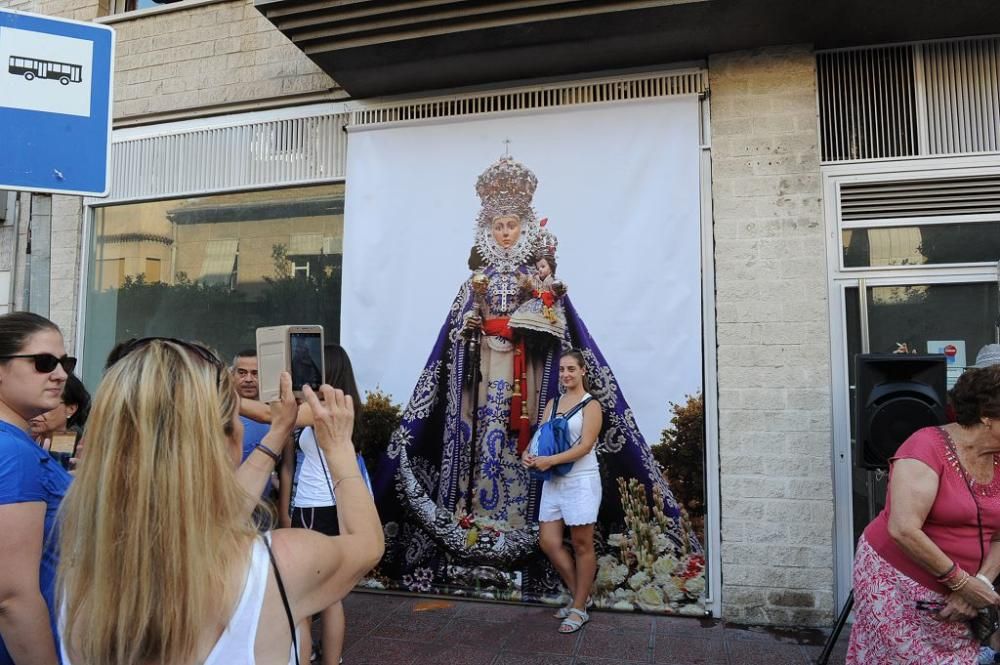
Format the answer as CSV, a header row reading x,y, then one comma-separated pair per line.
x,y
214,268
131,5
910,317
969,242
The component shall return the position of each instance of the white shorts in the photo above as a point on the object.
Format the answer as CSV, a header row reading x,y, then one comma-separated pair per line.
x,y
573,499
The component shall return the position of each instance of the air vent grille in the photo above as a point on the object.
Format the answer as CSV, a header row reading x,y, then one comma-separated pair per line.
x,y
862,202
932,98
539,97
243,156
963,95
867,108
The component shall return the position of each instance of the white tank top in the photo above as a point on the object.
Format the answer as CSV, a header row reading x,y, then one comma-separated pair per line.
x,y
236,644
586,465
312,489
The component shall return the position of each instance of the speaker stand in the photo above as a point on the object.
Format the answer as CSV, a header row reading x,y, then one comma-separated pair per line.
x,y
824,657
873,479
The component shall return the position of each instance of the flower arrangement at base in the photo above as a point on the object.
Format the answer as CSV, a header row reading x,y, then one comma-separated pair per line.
x,y
645,569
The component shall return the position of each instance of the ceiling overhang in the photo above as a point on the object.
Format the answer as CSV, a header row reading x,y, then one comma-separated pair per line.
x,y
385,47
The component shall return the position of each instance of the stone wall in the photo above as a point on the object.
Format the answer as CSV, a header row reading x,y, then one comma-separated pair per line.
x,y
774,341
207,58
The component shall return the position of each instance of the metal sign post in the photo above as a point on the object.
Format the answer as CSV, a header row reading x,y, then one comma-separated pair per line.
x,y
55,104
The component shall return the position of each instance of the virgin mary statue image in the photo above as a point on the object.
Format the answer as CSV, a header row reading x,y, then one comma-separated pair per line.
x,y
459,510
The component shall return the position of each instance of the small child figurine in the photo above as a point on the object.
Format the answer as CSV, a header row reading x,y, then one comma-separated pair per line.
x,y
542,312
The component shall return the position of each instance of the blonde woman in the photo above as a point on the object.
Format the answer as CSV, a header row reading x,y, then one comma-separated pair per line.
x,y
164,564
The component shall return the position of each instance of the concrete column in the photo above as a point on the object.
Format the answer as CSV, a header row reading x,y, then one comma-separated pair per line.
x,y
774,340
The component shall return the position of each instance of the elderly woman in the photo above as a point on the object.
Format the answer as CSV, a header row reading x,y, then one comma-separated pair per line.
x,y
927,563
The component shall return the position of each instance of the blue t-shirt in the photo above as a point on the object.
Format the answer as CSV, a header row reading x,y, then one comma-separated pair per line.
x,y
253,433
27,474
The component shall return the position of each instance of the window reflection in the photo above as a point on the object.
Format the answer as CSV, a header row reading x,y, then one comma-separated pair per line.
x,y
970,242
214,268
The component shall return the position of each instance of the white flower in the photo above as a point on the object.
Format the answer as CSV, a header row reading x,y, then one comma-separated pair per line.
x,y
611,575
623,605
662,543
674,592
691,609
695,586
607,560
664,566
615,539
649,598
638,580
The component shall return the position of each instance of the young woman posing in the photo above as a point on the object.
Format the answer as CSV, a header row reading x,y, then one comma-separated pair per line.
x,y
573,499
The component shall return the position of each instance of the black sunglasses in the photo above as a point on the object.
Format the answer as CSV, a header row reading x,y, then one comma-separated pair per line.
x,y
202,352
46,362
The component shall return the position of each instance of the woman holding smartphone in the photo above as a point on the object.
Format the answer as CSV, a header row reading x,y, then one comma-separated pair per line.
x,y
33,371
573,499
183,576
314,504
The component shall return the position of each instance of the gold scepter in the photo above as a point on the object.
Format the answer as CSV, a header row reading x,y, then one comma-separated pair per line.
x,y
479,282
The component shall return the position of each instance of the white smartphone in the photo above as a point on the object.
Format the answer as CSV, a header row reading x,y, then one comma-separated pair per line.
x,y
294,349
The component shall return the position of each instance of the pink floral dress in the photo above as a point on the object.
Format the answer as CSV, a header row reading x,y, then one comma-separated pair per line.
x,y
888,626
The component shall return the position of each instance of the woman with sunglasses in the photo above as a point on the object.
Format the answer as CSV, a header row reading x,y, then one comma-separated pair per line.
x,y
33,371
168,566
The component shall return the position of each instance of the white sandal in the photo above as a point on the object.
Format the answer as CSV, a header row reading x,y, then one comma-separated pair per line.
x,y
571,625
563,612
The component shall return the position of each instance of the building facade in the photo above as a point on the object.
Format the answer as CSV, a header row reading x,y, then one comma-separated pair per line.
x,y
849,204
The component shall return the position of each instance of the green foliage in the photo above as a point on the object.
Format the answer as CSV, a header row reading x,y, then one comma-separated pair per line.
x,y
681,453
226,318
379,419
186,309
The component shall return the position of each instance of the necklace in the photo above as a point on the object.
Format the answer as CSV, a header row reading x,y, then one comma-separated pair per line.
x,y
985,489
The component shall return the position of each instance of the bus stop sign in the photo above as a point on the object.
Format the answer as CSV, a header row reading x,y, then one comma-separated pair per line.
x,y
55,104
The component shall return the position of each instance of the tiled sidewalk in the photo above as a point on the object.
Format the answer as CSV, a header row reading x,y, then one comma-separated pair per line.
x,y
393,630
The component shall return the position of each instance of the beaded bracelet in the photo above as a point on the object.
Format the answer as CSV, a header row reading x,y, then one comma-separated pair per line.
x,y
267,451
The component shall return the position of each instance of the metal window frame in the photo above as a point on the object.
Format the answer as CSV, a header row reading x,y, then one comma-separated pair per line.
x,y
920,91
839,279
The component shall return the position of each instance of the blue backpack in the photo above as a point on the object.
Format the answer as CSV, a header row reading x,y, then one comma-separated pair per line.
x,y
552,438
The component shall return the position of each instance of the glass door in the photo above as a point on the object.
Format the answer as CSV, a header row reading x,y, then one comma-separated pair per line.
x,y
910,318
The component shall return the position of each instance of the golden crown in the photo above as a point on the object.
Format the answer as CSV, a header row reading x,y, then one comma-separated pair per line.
x,y
506,187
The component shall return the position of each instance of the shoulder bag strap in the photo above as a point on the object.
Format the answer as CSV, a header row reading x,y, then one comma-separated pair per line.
x,y
582,403
555,407
284,598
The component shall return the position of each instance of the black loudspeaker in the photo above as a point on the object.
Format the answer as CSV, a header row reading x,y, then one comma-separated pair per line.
x,y
896,394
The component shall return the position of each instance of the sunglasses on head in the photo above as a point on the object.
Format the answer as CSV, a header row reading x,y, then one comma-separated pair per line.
x,y
46,362
202,352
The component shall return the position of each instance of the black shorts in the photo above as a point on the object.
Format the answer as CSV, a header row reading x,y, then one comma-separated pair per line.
x,y
322,519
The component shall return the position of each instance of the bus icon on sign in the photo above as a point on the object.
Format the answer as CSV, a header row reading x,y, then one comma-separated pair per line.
x,y
32,68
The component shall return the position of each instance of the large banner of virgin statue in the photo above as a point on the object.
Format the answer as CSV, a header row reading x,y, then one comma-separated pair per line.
x,y
476,253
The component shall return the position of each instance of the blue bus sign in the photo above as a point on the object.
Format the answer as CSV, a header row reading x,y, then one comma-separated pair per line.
x,y
55,104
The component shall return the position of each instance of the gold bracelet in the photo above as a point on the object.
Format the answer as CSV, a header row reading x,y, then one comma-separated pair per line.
x,y
357,475
961,583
